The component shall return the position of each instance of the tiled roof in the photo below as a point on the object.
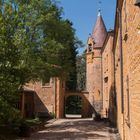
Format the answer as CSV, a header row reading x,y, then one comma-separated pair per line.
x,y
99,32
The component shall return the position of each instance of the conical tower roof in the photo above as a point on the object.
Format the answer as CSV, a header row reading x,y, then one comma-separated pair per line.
x,y
99,32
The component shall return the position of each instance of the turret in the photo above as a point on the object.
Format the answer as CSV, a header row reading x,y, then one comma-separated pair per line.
x,y
93,64
99,32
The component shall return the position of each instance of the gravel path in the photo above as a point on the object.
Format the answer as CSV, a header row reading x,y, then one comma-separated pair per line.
x,y
73,129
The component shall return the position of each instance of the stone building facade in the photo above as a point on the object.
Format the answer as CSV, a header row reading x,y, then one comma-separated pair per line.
x,y
112,76
118,76
94,65
43,100
49,100
109,97
127,68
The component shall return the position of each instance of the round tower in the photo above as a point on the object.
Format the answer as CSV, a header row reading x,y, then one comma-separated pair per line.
x,y
94,64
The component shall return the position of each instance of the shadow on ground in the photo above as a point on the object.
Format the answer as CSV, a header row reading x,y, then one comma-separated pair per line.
x,y
78,129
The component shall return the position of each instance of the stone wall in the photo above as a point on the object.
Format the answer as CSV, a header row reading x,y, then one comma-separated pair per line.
x,y
60,95
44,97
93,79
48,98
109,102
128,119
97,81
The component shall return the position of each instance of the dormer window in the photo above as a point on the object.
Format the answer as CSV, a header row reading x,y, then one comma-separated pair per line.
x,y
137,3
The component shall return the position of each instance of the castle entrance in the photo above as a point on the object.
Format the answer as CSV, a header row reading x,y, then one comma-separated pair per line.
x,y
76,105
73,106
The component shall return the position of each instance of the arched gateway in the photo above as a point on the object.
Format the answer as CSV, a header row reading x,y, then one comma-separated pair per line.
x,y
49,100
85,110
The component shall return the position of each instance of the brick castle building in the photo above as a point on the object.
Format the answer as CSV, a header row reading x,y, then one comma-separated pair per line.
x,y
114,70
126,51
112,76
43,100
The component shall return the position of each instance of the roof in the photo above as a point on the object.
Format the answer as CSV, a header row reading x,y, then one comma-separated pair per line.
x,y
99,32
27,89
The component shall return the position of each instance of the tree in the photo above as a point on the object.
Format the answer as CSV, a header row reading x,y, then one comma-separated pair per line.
x,y
81,72
35,44
73,105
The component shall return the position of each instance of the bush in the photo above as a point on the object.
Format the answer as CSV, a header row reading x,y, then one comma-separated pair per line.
x,y
8,114
52,114
24,130
32,122
10,117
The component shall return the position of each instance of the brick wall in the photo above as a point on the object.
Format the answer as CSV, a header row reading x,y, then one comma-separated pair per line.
x,y
118,90
131,56
129,121
48,98
44,99
109,107
93,79
97,78
85,112
60,93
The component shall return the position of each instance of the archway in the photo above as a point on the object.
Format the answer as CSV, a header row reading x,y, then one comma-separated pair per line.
x,y
81,107
73,106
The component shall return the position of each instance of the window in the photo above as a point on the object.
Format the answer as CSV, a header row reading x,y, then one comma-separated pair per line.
x,y
47,83
106,79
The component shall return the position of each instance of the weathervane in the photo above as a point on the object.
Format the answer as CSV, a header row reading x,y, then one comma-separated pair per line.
x,y
99,10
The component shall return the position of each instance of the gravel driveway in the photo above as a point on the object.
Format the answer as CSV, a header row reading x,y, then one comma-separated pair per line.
x,y
73,129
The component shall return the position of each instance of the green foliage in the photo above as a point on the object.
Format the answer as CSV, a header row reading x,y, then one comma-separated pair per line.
x,y
81,72
24,129
52,115
73,105
35,44
8,114
32,122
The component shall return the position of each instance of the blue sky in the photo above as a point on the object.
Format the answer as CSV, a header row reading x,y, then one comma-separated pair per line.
x,y
83,14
